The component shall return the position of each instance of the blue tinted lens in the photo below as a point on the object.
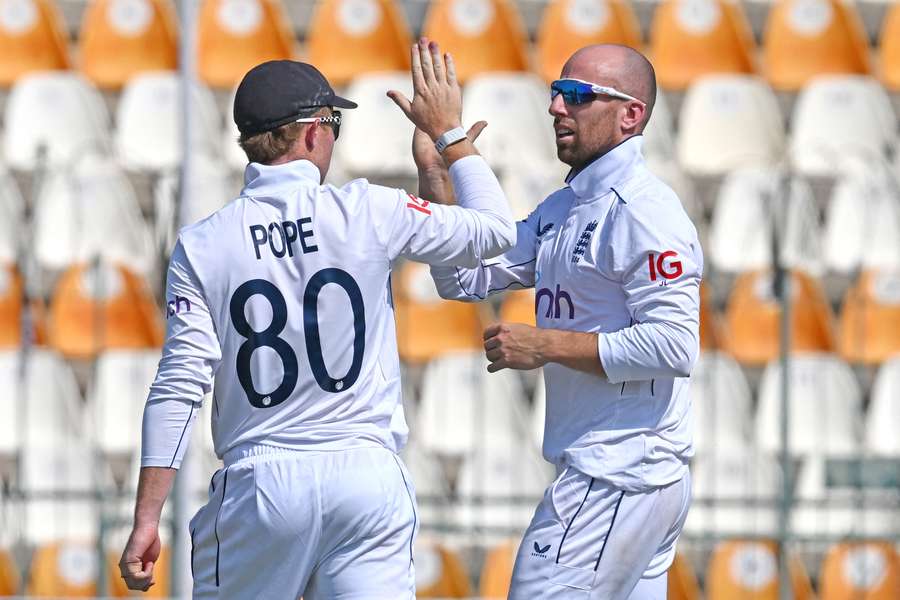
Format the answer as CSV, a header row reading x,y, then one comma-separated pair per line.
x,y
573,92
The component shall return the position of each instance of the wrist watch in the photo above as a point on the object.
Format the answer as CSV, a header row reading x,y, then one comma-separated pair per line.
x,y
457,134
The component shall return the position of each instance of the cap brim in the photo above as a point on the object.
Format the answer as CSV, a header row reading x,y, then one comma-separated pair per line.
x,y
343,102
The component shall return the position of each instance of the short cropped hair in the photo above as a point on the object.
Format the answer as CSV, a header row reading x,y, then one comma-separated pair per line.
x,y
267,147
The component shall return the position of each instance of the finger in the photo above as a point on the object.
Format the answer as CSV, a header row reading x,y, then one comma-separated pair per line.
x,y
475,130
437,62
401,101
491,343
497,366
451,69
427,65
494,354
418,78
492,330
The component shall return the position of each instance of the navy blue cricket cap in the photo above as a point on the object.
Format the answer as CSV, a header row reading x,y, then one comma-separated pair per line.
x,y
276,92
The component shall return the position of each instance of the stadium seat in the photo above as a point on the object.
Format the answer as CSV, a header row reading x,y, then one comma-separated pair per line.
x,y
12,218
693,38
740,236
840,122
826,407
439,572
120,38
208,190
734,493
482,35
722,405
10,307
496,574
100,307
727,122
525,188
427,326
568,25
161,576
235,35
519,134
90,210
9,574
377,118
753,318
806,38
659,135
64,569
864,570
890,49
670,172
712,336
32,38
862,224
148,136
518,307
57,113
881,437
682,580
749,571
870,320
347,38
429,477
234,156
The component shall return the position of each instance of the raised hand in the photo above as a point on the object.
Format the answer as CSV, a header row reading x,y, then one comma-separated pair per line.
x,y
436,106
426,155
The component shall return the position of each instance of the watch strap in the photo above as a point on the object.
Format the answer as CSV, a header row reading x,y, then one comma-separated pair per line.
x,y
457,134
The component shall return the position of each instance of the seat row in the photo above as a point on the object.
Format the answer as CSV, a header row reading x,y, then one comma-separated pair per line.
x,y
688,38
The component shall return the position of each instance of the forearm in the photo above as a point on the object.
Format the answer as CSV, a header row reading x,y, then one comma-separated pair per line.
x,y
154,486
649,350
573,349
435,186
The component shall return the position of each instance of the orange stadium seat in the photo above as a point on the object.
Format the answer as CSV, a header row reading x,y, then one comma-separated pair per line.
x,y
10,307
749,571
161,575
9,574
63,569
496,573
235,35
32,38
691,38
439,573
120,38
682,580
870,320
753,318
860,571
99,307
482,35
568,25
427,326
805,38
518,307
350,37
711,336
890,48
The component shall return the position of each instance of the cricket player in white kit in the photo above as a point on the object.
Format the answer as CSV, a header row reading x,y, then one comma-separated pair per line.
x,y
283,297
617,266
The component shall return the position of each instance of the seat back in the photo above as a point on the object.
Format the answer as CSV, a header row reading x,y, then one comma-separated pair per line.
x,y
722,404
10,307
864,570
890,48
347,38
496,574
884,411
753,316
482,35
32,39
749,571
233,36
64,569
805,38
870,318
682,580
692,38
120,38
439,572
12,218
711,334
9,574
568,25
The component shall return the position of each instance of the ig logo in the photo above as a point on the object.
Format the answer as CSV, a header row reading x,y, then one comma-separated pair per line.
x,y
658,266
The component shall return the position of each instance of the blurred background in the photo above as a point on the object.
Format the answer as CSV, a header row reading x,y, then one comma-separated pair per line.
x,y
776,124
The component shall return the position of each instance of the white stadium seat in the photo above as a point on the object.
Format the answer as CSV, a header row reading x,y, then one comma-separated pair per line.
x,y
659,136
526,188
520,130
826,407
740,237
721,405
482,407
862,225
841,121
882,437
670,172
234,157
149,128
12,218
729,121
58,112
87,211
376,137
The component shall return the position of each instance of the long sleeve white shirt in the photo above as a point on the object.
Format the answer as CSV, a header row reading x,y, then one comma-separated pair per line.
x,y
282,298
612,253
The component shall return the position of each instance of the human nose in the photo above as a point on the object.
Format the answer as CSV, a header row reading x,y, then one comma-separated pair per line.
x,y
558,106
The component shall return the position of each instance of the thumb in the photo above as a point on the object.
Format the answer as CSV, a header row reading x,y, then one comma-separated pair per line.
x,y
475,130
401,101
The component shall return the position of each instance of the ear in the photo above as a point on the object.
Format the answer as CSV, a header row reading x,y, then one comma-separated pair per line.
x,y
634,115
309,137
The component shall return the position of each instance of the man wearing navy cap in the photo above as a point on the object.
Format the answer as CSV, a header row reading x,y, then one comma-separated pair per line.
x,y
283,297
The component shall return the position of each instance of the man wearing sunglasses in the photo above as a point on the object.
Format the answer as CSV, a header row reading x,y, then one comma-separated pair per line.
x,y
616,265
284,297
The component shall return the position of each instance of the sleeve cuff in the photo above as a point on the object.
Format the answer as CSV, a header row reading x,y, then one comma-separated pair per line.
x,y
607,360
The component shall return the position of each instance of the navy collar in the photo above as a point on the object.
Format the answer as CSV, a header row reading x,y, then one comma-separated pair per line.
x,y
607,170
266,180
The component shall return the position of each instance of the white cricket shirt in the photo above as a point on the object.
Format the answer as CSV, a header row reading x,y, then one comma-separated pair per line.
x,y
283,298
612,253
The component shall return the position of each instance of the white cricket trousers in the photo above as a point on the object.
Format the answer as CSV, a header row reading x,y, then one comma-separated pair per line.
x,y
591,541
282,524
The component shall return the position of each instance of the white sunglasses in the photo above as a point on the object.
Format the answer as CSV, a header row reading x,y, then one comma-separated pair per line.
x,y
578,91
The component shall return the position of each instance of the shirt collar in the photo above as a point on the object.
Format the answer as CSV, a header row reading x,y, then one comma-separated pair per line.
x,y
262,180
607,170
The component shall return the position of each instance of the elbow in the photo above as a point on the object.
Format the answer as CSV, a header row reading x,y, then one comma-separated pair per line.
x,y
685,357
504,239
